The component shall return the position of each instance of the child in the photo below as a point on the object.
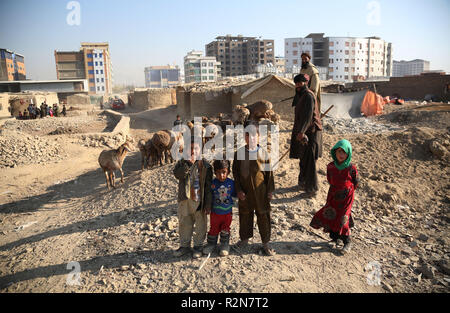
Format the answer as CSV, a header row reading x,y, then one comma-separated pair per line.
x,y
194,199
335,216
222,205
254,189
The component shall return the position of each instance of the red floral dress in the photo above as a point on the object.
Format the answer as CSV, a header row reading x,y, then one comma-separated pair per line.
x,y
335,215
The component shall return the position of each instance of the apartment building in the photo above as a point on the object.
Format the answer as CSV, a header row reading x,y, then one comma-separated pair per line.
x,y
91,62
347,58
408,68
199,68
280,64
240,55
12,66
162,76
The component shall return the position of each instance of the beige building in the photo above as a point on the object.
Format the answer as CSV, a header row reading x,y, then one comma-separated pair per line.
x,y
91,62
240,55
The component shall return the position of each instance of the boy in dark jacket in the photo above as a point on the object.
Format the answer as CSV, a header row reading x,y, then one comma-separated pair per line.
x,y
254,188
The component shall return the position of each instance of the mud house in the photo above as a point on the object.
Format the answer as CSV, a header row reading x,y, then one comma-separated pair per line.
x,y
148,98
213,98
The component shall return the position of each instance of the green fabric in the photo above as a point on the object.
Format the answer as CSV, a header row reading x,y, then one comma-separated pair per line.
x,y
347,147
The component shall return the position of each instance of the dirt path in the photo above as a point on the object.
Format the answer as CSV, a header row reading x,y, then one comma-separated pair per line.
x,y
123,239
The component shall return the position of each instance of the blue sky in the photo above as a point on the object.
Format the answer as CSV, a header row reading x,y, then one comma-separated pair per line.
x,y
144,33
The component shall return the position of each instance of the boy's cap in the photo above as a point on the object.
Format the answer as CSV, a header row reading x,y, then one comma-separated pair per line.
x,y
301,78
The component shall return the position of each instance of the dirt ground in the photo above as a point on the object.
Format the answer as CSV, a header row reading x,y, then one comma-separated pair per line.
x,y
56,213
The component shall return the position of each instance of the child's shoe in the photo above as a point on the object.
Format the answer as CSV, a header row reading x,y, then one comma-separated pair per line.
x,y
211,245
181,251
197,252
347,248
224,249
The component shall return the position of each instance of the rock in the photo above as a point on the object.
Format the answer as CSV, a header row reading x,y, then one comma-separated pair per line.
x,y
444,267
423,238
419,278
387,287
438,150
406,261
171,225
428,271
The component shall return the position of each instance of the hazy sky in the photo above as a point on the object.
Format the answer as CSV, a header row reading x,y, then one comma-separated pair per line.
x,y
144,33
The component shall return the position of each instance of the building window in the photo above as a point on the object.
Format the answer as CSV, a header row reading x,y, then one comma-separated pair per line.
x,y
211,77
91,71
92,88
103,88
91,80
101,55
98,80
96,71
101,71
346,52
101,63
347,44
331,51
89,55
103,80
95,54
346,61
331,43
98,88
96,63
90,64
346,69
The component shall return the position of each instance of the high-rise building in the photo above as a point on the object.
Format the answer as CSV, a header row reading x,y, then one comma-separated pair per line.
x,y
12,65
91,62
414,67
162,76
198,68
347,58
240,55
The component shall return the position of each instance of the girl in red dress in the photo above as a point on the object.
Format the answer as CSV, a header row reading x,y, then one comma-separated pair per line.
x,y
335,216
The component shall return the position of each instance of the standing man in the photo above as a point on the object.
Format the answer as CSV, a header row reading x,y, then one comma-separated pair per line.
x,y
178,121
306,139
313,73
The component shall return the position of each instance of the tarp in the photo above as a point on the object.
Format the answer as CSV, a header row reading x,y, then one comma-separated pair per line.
x,y
372,104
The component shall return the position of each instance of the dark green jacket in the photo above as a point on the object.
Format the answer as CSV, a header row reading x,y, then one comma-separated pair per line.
x,y
182,173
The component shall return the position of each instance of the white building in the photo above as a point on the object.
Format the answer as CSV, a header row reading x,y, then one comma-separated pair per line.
x,y
199,68
293,49
414,67
348,58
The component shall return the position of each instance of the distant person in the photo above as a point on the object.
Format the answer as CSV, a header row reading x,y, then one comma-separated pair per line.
x,y
20,117
335,217
55,110
25,114
43,110
48,109
38,112
313,73
64,110
178,121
